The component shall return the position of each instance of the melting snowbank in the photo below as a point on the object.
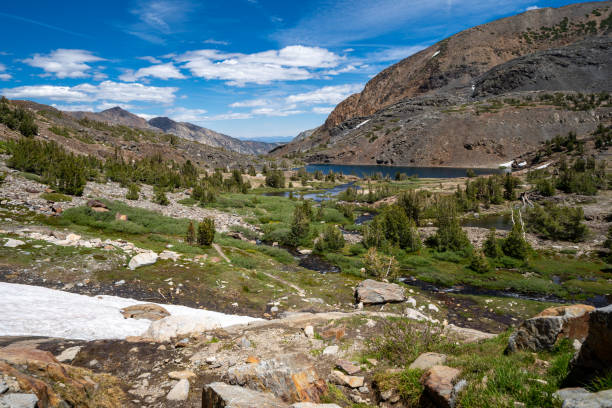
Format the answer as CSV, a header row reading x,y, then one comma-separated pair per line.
x,y
36,311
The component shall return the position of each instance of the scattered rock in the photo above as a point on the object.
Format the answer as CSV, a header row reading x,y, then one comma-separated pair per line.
x,y
338,377
309,331
466,335
595,355
121,217
581,398
372,292
439,383
334,332
69,354
96,204
148,311
542,331
13,243
252,360
179,392
348,367
145,258
164,255
221,395
427,360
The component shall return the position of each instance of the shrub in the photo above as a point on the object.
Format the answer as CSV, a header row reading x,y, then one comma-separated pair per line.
x,y
300,225
160,196
373,234
206,232
133,192
479,263
515,245
379,265
17,119
449,236
331,239
55,197
191,236
546,187
491,246
275,179
557,223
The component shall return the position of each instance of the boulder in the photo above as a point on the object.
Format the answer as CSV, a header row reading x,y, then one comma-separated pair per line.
x,y
96,204
348,367
439,382
69,354
221,395
542,331
148,311
13,243
164,255
142,259
181,375
290,377
18,400
595,355
427,360
372,292
121,217
581,398
338,377
173,326
179,392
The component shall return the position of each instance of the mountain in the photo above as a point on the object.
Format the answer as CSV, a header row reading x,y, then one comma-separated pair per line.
x,y
120,116
209,137
114,116
478,97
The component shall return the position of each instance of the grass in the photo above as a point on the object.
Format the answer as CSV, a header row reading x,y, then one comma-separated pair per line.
x,y
494,379
56,197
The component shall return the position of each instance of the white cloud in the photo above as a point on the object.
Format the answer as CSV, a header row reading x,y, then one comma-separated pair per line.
x,y
64,63
3,75
146,116
323,110
250,103
161,71
72,108
328,94
276,112
342,70
186,115
150,59
105,91
159,18
532,8
215,42
291,63
230,116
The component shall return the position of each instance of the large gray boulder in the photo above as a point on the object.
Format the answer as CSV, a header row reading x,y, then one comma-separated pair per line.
x,y
290,377
372,292
595,355
581,398
221,395
542,331
18,400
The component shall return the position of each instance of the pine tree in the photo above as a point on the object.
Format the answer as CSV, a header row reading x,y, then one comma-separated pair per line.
x,y
491,246
515,244
479,263
133,192
206,232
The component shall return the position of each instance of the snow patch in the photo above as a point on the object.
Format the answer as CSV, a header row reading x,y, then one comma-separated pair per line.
x,y
436,54
361,124
36,311
506,165
545,165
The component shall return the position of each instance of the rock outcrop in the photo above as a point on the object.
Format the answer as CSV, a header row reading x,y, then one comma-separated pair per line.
x,y
595,356
290,377
173,326
542,331
372,292
142,259
440,385
581,398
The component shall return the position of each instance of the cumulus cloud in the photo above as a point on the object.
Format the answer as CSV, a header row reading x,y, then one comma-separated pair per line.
x,y
180,114
105,91
327,94
215,42
3,75
532,8
146,116
292,63
107,105
73,108
250,103
323,110
161,71
273,112
150,59
64,63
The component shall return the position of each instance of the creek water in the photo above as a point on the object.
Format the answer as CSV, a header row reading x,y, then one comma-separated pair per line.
x,y
324,195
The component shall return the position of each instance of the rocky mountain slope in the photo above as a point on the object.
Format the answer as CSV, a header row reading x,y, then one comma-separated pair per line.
x,y
189,131
209,137
442,107
102,134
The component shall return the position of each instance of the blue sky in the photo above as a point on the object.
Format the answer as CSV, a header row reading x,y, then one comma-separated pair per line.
x,y
247,68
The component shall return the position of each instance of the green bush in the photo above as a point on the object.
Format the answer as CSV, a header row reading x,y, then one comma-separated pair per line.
x,y
275,179
160,196
190,237
55,197
557,223
133,192
331,240
206,232
479,263
546,187
300,225
491,247
17,119
515,245
449,236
